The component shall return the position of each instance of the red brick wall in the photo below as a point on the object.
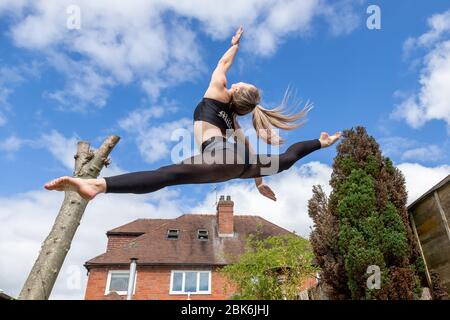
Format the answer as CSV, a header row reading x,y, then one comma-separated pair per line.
x,y
153,283
117,241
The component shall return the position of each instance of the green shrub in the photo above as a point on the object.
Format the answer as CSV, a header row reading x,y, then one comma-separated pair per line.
x,y
254,273
367,208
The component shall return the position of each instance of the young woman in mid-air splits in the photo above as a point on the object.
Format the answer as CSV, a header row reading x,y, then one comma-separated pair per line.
x,y
214,118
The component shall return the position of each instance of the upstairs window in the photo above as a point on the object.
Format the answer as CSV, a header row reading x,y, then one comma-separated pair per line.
x,y
172,234
202,234
190,282
117,281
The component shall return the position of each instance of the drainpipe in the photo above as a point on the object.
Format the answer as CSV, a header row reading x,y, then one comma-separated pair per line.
x,y
131,278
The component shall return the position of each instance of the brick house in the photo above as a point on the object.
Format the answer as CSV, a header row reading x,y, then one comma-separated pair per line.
x,y
176,258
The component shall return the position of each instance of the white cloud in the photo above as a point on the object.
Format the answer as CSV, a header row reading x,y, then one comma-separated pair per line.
x,y
420,179
145,125
432,102
118,43
138,120
429,153
14,7
156,149
395,146
283,18
63,149
11,145
406,149
121,43
85,85
341,15
10,75
439,25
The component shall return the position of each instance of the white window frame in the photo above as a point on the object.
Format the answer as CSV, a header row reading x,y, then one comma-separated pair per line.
x,y
120,293
184,279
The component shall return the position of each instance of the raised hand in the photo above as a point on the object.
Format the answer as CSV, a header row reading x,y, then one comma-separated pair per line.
x,y
237,37
326,140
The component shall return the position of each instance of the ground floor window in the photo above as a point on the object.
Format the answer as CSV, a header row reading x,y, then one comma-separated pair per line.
x,y
184,282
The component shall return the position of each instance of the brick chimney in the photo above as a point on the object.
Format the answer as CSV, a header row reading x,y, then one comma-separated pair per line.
x,y
225,220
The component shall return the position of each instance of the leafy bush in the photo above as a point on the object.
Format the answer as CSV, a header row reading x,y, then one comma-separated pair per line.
x,y
257,272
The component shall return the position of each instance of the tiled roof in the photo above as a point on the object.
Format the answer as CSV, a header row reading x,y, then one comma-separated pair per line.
x,y
152,247
137,226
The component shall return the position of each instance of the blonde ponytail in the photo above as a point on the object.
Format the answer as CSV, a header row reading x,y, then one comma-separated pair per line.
x,y
265,119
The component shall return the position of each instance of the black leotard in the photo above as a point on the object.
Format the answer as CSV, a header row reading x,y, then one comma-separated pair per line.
x,y
215,112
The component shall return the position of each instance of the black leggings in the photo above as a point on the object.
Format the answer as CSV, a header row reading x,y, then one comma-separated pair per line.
x,y
203,168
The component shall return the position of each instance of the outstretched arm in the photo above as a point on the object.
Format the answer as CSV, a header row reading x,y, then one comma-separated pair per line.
x,y
218,82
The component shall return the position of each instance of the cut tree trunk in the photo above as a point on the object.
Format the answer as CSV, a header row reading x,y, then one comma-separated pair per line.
x,y
42,277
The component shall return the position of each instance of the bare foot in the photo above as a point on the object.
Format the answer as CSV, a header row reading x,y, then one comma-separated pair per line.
x,y
327,140
86,188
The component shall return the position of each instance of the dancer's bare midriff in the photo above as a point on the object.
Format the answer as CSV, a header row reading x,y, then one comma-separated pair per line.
x,y
204,130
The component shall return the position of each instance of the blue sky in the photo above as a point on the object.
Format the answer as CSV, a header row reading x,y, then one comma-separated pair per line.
x,y
142,79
